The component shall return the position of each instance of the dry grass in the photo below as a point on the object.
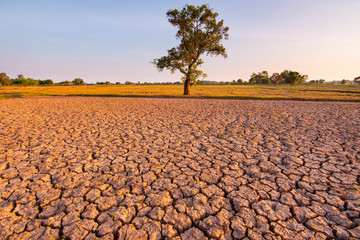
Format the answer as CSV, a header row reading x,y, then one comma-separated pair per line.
x,y
279,92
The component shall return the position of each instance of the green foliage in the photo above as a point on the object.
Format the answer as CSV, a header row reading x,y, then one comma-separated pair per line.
x,y
293,77
236,82
65,83
260,78
276,78
78,81
5,80
106,83
48,82
320,81
22,81
199,33
286,76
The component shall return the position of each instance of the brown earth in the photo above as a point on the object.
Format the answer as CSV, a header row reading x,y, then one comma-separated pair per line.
x,y
89,168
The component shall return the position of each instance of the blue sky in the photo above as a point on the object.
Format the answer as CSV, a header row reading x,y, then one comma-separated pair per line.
x,y
115,41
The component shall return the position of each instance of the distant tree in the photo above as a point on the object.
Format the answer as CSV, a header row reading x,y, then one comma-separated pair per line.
x,y
344,81
276,78
21,81
293,77
78,81
240,81
4,79
20,76
31,82
260,78
46,82
199,33
65,83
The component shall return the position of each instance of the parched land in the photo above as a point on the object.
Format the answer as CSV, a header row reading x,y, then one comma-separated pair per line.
x,y
125,168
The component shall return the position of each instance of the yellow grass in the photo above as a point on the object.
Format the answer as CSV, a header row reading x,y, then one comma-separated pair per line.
x,y
278,92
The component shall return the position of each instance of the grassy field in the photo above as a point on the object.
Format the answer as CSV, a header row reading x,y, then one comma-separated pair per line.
x,y
270,92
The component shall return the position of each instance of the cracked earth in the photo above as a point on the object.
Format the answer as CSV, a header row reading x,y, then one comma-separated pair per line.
x,y
122,168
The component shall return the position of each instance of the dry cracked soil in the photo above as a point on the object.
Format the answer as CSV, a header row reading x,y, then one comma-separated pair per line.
x,y
123,168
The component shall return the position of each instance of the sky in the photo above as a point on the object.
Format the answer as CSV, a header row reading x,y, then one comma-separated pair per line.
x,y
115,40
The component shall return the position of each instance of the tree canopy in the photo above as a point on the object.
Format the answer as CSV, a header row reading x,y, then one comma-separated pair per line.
x,y
199,33
4,79
78,81
260,78
293,77
287,76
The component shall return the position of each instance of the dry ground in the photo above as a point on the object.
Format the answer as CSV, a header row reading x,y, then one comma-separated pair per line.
x,y
73,167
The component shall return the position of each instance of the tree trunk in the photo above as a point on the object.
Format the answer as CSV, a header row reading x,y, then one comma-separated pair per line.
x,y
187,85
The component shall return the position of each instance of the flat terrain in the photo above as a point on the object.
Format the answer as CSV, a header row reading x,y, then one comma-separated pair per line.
x,y
153,168
264,92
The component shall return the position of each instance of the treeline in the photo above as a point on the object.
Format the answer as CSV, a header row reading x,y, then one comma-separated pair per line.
x,y
22,81
137,83
285,77
76,81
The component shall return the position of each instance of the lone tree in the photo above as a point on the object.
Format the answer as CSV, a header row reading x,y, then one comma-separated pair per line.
x,y
199,32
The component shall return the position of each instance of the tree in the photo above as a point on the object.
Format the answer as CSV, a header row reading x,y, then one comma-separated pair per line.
x,y
46,82
78,81
4,79
344,81
65,83
199,33
260,78
276,78
293,77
